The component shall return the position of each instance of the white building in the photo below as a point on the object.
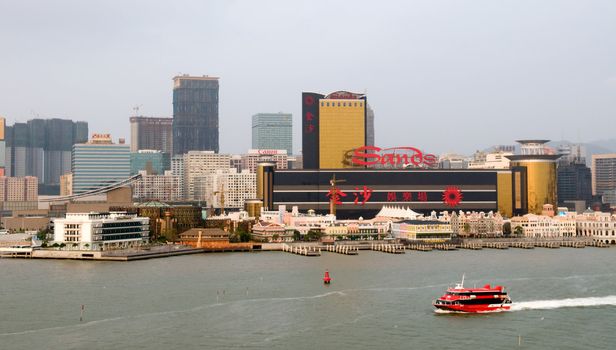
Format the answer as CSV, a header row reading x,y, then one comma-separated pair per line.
x,y
200,163
599,226
475,223
164,188
235,187
493,160
101,230
542,226
256,156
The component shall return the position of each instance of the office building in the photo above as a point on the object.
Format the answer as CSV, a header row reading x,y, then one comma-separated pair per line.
x,y
151,133
574,183
369,126
272,131
195,114
154,162
332,127
42,148
603,173
99,163
101,231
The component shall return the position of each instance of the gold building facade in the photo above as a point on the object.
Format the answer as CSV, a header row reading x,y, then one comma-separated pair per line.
x,y
342,129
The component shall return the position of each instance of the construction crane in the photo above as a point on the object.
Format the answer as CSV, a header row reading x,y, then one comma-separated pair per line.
x,y
334,196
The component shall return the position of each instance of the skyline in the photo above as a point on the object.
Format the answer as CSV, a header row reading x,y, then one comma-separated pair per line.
x,y
430,67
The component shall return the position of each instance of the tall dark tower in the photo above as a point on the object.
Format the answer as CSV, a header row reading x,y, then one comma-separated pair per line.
x,y
195,114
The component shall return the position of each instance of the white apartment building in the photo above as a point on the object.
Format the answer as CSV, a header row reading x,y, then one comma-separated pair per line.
x,y
475,223
234,187
493,160
98,231
165,187
542,226
256,156
200,163
599,226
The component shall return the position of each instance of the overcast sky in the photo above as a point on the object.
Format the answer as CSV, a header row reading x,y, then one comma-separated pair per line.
x,y
441,75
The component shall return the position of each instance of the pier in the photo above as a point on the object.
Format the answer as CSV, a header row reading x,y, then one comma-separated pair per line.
x,y
341,249
420,247
301,250
388,248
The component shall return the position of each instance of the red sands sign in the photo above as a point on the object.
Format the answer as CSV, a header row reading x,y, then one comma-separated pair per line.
x,y
395,156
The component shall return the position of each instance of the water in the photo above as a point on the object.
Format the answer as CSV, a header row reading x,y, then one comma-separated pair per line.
x,y
564,299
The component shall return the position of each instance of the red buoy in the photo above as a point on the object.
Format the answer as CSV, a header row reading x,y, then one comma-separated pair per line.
x,y
326,278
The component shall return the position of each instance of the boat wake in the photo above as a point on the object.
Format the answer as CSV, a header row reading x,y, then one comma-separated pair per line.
x,y
562,303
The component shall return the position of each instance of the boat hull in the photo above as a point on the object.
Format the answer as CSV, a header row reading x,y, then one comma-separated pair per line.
x,y
479,308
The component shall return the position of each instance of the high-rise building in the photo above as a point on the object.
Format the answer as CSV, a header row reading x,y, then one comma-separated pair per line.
x,y
154,162
200,163
164,187
2,146
195,114
42,148
151,133
231,186
574,183
603,173
333,126
99,163
256,156
369,126
534,170
272,131
177,169
18,193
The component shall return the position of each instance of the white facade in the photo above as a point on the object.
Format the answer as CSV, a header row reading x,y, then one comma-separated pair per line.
x,y
256,156
235,187
541,226
165,187
101,230
475,223
599,226
200,163
494,160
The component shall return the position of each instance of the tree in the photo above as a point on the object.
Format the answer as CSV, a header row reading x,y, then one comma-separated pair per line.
x,y
55,245
86,245
245,236
297,236
75,245
467,228
519,231
313,235
42,234
507,228
275,237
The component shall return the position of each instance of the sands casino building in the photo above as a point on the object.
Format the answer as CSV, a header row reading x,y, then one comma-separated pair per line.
x,y
341,167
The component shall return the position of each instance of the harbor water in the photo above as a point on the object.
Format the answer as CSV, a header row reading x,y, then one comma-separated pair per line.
x,y
563,299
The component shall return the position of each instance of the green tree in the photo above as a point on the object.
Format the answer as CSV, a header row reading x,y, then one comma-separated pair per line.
x,y
75,245
467,228
507,228
245,236
297,236
275,237
42,234
518,230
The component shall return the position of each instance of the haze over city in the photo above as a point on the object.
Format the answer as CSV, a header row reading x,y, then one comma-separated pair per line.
x,y
442,75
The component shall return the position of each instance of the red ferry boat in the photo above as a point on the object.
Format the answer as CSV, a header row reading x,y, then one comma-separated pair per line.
x,y
484,299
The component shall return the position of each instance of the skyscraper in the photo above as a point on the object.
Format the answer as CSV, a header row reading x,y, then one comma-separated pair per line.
x,y
151,133
603,173
99,163
195,114
369,126
333,126
272,131
2,146
42,148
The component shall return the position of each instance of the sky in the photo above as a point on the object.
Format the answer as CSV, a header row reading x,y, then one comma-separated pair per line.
x,y
441,75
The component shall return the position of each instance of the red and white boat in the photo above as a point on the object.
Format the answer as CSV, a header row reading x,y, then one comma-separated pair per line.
x,y
484,299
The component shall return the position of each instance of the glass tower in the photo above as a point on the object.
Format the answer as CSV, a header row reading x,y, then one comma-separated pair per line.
x,y
272,131
195,114
98,164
